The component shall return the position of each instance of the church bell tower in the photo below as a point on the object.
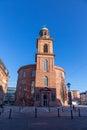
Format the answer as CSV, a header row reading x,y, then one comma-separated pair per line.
x,y
45,71
44,59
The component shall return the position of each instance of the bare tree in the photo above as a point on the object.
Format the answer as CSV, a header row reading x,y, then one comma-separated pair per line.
x,y
63,91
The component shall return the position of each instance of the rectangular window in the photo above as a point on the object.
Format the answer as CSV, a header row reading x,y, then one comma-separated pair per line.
x,y
53,96
45,81
24,74
37,97
32,87
33,73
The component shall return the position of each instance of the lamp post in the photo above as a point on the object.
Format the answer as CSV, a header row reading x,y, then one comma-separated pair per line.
x,y
69,95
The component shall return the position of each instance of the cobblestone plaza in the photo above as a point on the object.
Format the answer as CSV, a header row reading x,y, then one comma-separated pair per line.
x,y
47,119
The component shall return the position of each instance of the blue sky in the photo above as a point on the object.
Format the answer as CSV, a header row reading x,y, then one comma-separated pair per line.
x,y
20,23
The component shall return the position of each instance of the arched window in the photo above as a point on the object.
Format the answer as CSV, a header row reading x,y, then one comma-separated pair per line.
x,y
45,48
45,33
45,81
45,65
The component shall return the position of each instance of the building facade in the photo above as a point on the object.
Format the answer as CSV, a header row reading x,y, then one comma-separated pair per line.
x,y
43,83
4,76
75,96
83,98
9,97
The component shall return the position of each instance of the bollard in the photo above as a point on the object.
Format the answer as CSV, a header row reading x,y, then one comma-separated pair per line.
x,y
10,112
75,109
79,112
19,109
35,112
49,109
71,114
58,113
0,111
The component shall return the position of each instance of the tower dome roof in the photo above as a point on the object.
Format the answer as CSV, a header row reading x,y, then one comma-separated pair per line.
x,y
44,28
44,32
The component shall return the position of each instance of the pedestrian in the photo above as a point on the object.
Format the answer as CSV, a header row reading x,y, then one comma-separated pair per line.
x,y
73,107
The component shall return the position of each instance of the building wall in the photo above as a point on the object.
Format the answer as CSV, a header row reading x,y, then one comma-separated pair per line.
x,y
75,94
3,80
83,98
40,73
23,90
40,44
4,76
9,97
58,84
61,92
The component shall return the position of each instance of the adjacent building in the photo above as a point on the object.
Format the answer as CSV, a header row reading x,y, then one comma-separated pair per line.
x,y
75,96
10,96
43,83
83,98
4,76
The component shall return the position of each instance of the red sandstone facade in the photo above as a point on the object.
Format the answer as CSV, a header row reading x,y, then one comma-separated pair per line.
x,y
42,84
4,76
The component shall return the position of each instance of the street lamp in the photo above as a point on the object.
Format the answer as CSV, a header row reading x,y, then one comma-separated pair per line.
x,y
69,94
68,85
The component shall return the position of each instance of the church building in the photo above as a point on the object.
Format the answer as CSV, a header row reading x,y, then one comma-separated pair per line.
x,y
43,83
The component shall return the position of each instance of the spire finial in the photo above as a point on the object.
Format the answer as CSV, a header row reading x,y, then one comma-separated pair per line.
x,y
44,26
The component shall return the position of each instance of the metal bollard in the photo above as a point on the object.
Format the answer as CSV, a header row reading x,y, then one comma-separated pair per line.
x,y
49,109
58,113
71,114
75,109
35,112
79,112
10,112
0,111
19,109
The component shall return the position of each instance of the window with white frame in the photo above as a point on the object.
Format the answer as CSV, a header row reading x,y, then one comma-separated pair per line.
x,y
45,65
45,81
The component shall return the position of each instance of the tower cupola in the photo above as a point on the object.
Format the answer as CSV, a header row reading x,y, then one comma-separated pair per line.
x,y
44,33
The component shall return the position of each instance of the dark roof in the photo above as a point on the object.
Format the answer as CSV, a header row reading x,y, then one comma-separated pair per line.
x,y
83,93
27,66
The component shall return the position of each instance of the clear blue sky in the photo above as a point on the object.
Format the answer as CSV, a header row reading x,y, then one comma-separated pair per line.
x,y
20,23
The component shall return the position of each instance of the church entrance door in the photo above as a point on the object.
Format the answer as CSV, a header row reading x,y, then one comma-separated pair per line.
x,y
45,100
